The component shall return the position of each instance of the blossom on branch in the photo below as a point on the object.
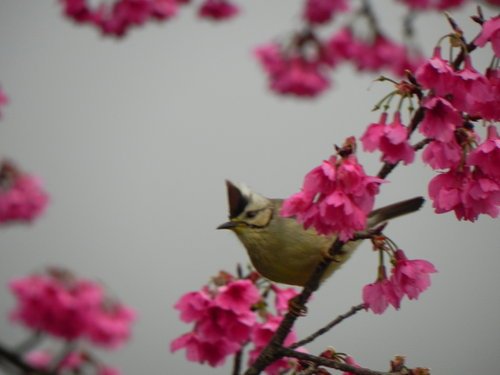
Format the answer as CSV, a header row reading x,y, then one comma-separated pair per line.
x,y
60,304
490,33
22,198
391,140
218,10
323,11
229,315
336,197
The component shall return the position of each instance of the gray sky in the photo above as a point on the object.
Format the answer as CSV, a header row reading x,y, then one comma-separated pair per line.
x,y
134,139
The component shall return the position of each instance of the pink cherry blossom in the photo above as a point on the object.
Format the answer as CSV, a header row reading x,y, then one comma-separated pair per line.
x,y
223,320
238,296
40,359
3,101
411,277
198,350
300,78
323,11
436,74
487,155
282,298
110,324
336,197
55,304
391,139
350,361
291,73
218,10
467,193
441,155
375,55
486,98
490,33
193,305
262,334
107,370
22,198
115,19
470,87
377,296
440,119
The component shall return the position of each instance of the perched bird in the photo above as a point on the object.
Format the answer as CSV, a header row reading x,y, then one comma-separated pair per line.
x,y
280,248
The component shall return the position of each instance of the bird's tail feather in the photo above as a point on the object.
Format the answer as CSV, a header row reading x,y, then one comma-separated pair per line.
x,y
394,210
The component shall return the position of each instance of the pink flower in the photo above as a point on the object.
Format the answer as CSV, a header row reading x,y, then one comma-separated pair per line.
x,y
262,334
490,33
411,276
436,74
40,359
109,326
3,100
468,194
487,155
22,197
193,305
350,361
239,296
218,10
322,11
336,197
197,350
470,87
300,78
486,98
377,296
223,321
440,155
391,139
106,370
293,74
282,298
440,119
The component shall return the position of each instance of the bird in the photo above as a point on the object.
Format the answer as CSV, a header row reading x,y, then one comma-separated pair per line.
x,y
280,249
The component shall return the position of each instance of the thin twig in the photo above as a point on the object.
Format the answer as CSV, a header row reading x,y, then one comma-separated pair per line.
x,y
15,360
29,343
237,362
286,352
329,326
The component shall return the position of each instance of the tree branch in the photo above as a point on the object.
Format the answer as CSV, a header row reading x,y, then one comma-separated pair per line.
x,y
329,326
15,360
286,352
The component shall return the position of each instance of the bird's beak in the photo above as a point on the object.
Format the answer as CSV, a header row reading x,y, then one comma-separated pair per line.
x,y
228,225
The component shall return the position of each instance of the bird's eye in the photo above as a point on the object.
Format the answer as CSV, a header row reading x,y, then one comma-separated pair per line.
x,y
251,214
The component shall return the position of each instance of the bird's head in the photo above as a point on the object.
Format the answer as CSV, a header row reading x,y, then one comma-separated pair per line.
x,y
247,209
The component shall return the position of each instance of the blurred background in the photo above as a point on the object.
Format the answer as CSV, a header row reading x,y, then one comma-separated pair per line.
x,y
133,139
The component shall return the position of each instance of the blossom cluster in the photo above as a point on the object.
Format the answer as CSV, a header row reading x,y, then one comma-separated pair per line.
x,y
22,198
58,303
301,67
228,315
336,196
453,99
117,18
409,277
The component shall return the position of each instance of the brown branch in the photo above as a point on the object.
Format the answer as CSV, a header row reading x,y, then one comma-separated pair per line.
x,y
237,362
329,326
286,352
15,360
